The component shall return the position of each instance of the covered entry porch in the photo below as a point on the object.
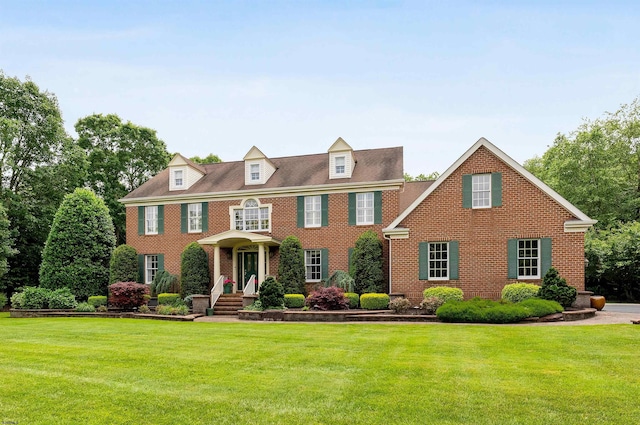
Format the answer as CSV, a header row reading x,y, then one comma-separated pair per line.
x,y
249,254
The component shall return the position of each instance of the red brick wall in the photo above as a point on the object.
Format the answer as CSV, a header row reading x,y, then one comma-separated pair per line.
x,y
338,237
526,212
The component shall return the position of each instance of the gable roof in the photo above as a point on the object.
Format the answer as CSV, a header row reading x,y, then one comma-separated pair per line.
x,y
181,160
383,165
582,221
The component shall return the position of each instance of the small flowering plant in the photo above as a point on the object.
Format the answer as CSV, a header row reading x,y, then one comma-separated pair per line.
x,y
228,282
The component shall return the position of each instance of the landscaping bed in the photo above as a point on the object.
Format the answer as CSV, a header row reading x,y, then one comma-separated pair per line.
x,y
26,313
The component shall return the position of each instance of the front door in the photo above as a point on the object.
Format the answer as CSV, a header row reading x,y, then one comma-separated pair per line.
x,y
247,266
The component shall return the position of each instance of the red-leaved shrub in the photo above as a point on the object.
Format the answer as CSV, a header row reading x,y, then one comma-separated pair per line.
x,y
128,294
331,298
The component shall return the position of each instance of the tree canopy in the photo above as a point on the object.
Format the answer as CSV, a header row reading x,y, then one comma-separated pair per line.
x,y
209,159
121,156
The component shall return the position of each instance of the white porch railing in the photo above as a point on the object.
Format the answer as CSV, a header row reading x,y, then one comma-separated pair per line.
x,y
217,290
250,286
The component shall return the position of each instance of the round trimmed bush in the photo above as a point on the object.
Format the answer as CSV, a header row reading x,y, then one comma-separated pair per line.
x,y
97,300
400,305
445,293
516,292
123,266
294,300
271,293
374,301
430,305
354,299
85,308
330,298
35,298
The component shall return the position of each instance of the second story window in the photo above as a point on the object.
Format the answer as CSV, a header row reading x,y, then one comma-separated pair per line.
x,y
340,165
312,211
252,217
481,190
255,172
195,218
151,220
364,208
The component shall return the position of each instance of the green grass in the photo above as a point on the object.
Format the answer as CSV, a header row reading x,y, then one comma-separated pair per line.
x,y
121,371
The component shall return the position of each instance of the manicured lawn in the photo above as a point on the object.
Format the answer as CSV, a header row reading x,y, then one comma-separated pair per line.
x,y
120,371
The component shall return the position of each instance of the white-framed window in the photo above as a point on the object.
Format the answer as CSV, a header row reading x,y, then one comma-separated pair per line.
x,y
340,164
481,190
150,268
312,211
151,220
195,218
364,208
438,260
528,259
255,172
178,178
313,265
252,217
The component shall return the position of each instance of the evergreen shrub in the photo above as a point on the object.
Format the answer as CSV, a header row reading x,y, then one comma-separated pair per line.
x,y
123,266
478,310
330,298
62,299
445,293
16,299
539,307
128,295
165,282
168,299
3,300
366,263
35,297
555,288
85,308
97,300
354,299
271,293
342,280
374,301
195,270
291,271
518,291
294,300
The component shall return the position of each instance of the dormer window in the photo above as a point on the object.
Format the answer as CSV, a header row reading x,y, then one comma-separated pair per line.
x,y
340,165
255,172
178,178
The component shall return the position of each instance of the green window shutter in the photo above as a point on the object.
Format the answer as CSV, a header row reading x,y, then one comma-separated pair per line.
x,y
454,260
512,258
349,263
160,219
141,220
545,256
377,207
423,261
184,215
140,268
300,211
467,191
160,262
324,263
352,209
205,216
324,203
496,189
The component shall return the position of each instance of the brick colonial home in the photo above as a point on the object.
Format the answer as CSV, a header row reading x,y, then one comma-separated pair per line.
x,y
482,224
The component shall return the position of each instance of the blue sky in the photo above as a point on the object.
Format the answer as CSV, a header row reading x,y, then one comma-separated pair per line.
x,y
291,77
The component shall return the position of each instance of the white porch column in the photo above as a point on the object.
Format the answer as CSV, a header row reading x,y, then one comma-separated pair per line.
x,y
260,263
216,263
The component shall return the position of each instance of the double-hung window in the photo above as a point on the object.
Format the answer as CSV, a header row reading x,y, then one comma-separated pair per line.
x,y
364,208
195,218
312,211
438,261
340,165
178,178
150,268
481,190
312,264
151,220
528,259
255,172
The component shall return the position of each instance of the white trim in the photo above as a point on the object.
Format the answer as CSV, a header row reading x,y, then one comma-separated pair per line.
x,y
146,219
281,192
511,163
364,209
396,233
473,192
232,215
446,269
319,265
199,207
308,225
147,257
575,226
538,259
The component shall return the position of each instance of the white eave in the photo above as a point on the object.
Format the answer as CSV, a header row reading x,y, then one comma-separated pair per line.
x,y
396,233
582,223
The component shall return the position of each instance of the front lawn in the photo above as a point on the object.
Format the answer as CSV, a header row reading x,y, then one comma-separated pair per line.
x,y
117,371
